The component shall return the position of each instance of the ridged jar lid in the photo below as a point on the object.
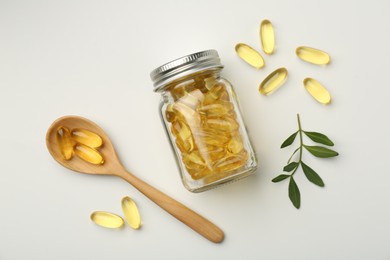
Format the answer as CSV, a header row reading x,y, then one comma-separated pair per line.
x,y
184,66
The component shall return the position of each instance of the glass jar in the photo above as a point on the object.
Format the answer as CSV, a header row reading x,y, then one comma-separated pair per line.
x,y
202,119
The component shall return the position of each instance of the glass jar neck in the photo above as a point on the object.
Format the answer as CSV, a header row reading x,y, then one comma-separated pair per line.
x,y
194,77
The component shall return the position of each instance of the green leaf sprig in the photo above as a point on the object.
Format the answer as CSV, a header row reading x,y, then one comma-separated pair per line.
x,y
292,166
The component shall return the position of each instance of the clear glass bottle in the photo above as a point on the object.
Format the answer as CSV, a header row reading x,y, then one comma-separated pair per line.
x,y
203,121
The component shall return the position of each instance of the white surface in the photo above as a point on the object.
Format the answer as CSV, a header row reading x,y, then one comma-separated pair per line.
x,y
93,58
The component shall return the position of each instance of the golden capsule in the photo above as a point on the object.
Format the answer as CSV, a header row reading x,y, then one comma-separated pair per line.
x,y
185,146
185,113
212,152
273,81
181,130
192,99
312,55
197,174
181,89
235,144
224,96
267,36
107,219
88,138
217,90
231,162
209,136
216,109
194,160
249,55
65,142
317,90
227,124
130,210
170,114
88,154
231,114
209,82
201,84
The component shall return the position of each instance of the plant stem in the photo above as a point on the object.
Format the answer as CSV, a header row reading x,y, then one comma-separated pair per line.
x,y
300,145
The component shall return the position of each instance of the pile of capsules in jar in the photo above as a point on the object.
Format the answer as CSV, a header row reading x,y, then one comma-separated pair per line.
x,y
203,121
81,142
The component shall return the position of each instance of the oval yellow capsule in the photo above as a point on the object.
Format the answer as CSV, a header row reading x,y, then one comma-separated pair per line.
x,y
267,36
194,160
222,124
107,219
312,55
170,114
317,90
273,81
231,162
65,142
131,212
84,136
235,145
88,154
251,56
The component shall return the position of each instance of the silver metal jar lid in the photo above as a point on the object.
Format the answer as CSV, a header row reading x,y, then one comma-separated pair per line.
x,y
184,66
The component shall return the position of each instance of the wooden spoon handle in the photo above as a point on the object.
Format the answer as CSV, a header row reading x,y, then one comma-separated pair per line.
x,y
176,209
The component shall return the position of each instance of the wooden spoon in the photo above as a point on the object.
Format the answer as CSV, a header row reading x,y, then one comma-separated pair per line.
x,y
113,166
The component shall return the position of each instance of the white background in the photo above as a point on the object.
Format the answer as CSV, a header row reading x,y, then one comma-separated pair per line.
x,y
93,58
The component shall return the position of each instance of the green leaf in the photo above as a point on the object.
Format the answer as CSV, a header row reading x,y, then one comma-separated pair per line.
x,y
312,176
280,177
321,152
289,140
291,166
319,138
294,194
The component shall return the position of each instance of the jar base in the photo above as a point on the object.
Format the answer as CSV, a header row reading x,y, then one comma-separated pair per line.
x,y
216,180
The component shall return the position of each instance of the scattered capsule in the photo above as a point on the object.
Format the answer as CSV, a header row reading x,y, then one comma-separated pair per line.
x,y
86,137
107,219
251,56
223,124
65,142
235,144
216,109
130,210
317,90
267,36
231,162
273,81
88,154
312,55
